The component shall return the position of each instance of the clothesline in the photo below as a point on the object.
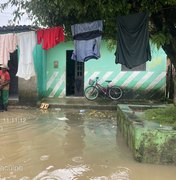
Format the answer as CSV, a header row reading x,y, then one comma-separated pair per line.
x,y
87,38
16,29
26,42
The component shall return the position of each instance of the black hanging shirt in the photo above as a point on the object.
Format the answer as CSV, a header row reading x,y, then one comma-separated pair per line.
x,y
133,48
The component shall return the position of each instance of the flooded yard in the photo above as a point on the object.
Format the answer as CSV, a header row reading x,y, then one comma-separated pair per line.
x,y
69,144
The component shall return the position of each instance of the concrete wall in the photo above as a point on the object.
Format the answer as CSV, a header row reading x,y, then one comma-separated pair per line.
x,y
56,77
136,84
50,81
29,91
148,141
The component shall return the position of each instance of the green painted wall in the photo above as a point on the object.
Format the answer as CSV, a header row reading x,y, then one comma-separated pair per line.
x,y
40,68
148,142
56,77
150,83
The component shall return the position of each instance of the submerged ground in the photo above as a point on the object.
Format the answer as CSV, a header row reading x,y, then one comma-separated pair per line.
x,y
69,144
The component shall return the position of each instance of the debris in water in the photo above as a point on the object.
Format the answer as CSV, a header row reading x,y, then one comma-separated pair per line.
x,y
44,157
63,118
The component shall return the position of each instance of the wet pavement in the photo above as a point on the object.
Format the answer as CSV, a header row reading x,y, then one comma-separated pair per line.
x,y
99,103
80,102
69,144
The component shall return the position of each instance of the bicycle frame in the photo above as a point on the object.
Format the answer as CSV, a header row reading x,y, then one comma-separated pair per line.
x,y
92,91
101,88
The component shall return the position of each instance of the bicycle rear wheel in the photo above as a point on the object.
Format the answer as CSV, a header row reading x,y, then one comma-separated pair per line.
x,y
115,93
91,93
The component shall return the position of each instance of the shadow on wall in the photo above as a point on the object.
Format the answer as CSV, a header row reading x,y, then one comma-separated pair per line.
x,y
142,94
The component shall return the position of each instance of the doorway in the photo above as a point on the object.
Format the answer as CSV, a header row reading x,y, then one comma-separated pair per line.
x,y
74,76
13,67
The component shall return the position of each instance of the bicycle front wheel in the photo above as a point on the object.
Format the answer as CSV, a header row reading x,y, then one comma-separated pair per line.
x,y
91,93
115,93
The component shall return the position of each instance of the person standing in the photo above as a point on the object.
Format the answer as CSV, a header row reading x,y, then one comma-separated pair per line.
x,y
4,86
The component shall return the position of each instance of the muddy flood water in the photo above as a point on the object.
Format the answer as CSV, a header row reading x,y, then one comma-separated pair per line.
x,y
69,144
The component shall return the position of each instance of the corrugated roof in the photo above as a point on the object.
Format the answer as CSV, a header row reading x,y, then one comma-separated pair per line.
x,y
16,29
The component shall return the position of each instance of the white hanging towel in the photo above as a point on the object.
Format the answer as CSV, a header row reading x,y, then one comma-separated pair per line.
x,y
26,42
8,44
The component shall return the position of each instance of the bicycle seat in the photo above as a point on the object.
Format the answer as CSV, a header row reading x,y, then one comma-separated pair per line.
x,y
108,81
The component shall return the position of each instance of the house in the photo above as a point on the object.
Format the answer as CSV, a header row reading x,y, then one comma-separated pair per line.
x,y
146,81
20,89
58,76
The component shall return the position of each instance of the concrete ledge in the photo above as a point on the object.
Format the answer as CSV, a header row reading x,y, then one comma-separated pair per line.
x,y
79,103
148,141
27,90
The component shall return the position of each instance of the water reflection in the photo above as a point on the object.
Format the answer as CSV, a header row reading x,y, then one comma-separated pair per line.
x,y
69,144
72,172
74,139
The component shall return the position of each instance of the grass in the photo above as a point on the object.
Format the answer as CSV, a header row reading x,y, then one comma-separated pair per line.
x,y
165,115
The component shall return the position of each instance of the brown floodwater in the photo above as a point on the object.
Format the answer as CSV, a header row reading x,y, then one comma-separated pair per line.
x,y
69,144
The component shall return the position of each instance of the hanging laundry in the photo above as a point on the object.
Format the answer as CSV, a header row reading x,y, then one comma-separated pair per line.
x,y
87,31
86,49
133,48
50,37
87,39
26,43
8,44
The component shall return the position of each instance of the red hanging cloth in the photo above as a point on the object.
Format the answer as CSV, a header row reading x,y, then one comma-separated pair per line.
x,y
50,37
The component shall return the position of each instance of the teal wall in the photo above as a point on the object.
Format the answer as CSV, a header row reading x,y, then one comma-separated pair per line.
x,y
40,68
150,82
135,84
56,77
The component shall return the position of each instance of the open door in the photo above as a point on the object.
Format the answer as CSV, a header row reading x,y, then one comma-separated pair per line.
x,y
74,76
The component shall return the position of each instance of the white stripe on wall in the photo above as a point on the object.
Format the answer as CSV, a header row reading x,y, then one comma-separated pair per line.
x,y
85,73
130,78
118,77
57,86
50,81
143,80
156,81
162,88
93,76
63,93
105,77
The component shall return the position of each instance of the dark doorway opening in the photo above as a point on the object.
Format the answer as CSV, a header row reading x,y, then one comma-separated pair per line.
x,y
13,67
74,76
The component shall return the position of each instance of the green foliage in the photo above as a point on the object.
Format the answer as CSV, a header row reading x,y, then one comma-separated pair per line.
x,y
59,12
111,44
160,39
164,116
65,12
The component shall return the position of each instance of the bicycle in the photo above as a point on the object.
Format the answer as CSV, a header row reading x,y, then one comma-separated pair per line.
x,y
92,91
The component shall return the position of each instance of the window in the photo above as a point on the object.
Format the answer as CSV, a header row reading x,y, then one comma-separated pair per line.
x,y
79,69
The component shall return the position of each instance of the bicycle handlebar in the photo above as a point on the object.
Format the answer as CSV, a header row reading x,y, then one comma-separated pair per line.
x,y
108,81
96,79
